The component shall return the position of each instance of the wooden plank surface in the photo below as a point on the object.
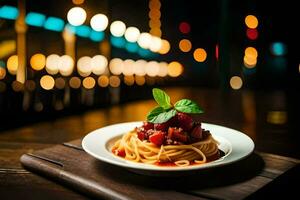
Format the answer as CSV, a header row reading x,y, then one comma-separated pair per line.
x,y
235,181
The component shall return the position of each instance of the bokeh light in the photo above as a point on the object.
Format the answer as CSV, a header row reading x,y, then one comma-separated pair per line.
x,y
47,82
251,52
132,34
144,40
38,61
99,22
175,69
278,49
236,82
128,67
185,45
60,83
99,64
2,73
200,55
103,81
114,81
251,21
84,66
163,69
76,16
252,34
30,85
155,44
12,64
165,47
66,65
117,28
75,82
152,68
88,82
129,80
184,27
17,86
52,63
116,66
78,2
140,80
139,67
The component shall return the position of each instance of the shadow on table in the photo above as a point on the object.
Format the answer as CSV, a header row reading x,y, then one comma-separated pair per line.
x,y
219,176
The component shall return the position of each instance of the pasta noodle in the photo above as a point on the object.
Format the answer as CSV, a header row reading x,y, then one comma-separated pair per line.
x,y
181,155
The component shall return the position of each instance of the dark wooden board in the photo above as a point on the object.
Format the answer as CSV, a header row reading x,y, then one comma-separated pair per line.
x,y
70,165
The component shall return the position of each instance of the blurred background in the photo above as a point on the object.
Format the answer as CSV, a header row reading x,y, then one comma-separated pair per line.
x,y
65,57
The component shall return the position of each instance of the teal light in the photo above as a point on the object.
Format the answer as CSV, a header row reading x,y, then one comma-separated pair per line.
x,y
54,24
278,49
97,36
144,52
35,19
132,47
9,12
71,28
2,64
83,31
118,41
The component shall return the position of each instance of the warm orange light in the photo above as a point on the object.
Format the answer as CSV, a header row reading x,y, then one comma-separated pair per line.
x,y
185,45
75,82
129,80
47,82
236,82
114,81
12,64
116,66
103,81
175,69
200,55
154,23
251,21
251,52
78,2
38,61
152,68
17,86
154,14
88,82
165,47
60,83
140,80
2,73
249,61
155,32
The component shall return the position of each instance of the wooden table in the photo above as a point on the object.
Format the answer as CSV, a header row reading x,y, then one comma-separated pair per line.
x,y
269,118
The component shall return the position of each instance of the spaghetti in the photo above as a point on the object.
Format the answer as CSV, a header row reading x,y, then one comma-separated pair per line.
x,y
132,148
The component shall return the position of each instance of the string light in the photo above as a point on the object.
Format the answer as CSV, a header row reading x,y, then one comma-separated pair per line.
x,y
38,61
175,69
12,64
251,21
99,22
114,81
236,82
165,47
88,82
144,40
185,45
52,63
75,82
184,27
200,55
47,82
154,15
103,81
117,28
84,66
132,34
66,65
76,16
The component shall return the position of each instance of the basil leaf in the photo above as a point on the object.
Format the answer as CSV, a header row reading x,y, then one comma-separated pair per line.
x,y
188,106
160,117
161,98
156,111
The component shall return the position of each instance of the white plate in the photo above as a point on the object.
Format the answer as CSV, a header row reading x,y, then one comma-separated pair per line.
x,y
98,143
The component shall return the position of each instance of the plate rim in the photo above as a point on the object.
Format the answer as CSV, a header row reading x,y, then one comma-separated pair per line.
x,y
148,167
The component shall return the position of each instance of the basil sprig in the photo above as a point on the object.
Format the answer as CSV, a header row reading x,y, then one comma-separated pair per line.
x,y
166,110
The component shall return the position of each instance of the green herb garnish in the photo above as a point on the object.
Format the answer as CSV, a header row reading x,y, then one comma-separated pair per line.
x,y
166,110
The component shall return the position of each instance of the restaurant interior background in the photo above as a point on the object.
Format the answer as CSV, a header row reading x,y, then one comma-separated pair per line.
x,y
66,57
